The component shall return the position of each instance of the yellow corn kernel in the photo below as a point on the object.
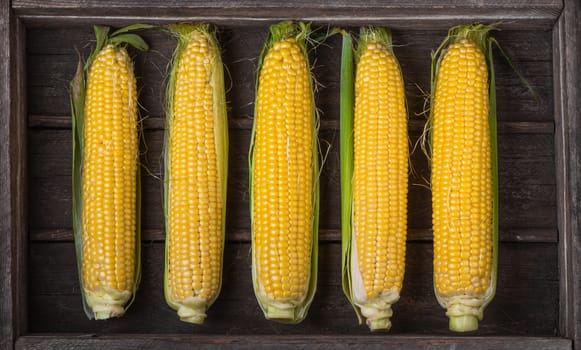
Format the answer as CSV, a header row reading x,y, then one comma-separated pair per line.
x,y
195,191
283,180
462,175
380,184
109,183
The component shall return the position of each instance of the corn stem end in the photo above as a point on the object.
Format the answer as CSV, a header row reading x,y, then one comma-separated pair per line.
x,y
465,312
107,302
466,323
278,313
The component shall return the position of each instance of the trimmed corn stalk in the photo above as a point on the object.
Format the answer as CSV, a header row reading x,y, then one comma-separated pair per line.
x,y
106,174
284,177
196,156
374,152
464,175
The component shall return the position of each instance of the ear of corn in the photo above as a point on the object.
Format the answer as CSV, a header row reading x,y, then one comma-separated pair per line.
x,y
464,175
284,171
196,156
106,175
375,180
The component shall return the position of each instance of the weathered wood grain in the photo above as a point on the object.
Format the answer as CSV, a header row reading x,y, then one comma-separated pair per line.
x,y
567,41
19,178
235,42
50,71
13,179
281,4
527,183
7,219
526,302
525,158
136,342
414,14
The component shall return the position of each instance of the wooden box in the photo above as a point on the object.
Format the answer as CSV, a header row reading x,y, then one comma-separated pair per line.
x,y
539,286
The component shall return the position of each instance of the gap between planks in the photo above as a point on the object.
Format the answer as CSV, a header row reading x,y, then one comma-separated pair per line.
x,y
532,235
36,121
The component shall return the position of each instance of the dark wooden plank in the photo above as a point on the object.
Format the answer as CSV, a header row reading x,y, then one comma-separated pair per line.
x,y
409,19
50,72
60,122
13,179
19,177
51,197
86,342
442,13
567,307
8,257
524,158
281,4
240,57
526,302
517,43
526,128
567,41
527,183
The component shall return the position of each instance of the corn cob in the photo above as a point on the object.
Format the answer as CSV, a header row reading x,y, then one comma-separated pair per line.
x,y
464,177
105,174
375,222
195,173
283,177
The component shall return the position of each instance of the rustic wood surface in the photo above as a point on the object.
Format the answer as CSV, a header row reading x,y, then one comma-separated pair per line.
x,y
376,342
13,179
527,300
52,62
527,191
410,14
19,175
7,263
567,40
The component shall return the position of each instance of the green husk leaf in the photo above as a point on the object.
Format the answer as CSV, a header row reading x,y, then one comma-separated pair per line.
x,y
494,157
131,28
300,31
182,32
101,37
347,105
479,34
132,39
77,97
137,237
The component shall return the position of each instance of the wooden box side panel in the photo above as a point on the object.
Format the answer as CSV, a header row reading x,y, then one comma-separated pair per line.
x,y
284,342
567,58
416,14
558,235
13,179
